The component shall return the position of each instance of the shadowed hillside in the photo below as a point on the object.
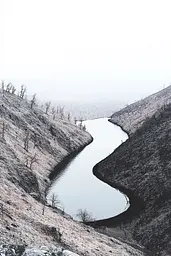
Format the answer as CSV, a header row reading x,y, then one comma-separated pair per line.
x,y
142,165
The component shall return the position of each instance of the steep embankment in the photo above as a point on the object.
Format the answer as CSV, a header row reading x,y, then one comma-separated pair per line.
x,y
22,185
133,116
142,165
49,141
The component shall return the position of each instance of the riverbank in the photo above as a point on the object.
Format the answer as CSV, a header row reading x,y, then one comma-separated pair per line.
x,y
119,125
65,161
136,205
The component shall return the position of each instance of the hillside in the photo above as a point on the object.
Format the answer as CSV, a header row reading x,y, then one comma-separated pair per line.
x,y
133,116
141,167
29,135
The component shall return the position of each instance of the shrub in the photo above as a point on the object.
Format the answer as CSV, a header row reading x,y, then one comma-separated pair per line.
x,y
84,215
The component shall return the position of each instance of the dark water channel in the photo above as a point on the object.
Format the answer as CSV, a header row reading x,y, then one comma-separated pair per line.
x,y
77,187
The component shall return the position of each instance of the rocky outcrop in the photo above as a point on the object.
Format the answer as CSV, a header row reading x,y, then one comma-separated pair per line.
x,y
23,250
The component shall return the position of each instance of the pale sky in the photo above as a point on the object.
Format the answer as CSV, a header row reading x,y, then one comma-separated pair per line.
x,y
93,49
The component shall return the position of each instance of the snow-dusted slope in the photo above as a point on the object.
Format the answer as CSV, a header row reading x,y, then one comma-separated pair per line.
x,y
133,116
49,140
22,187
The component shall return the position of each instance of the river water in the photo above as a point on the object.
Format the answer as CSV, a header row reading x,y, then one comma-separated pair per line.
x,y
77,187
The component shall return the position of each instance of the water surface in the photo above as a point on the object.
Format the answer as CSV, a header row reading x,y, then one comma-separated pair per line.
x,y
77,187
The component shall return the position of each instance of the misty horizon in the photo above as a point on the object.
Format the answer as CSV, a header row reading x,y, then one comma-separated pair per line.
x,y
91,52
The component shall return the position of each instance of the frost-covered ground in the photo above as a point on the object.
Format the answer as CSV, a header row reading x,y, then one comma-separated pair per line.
x,y
22,188
142,165
134,115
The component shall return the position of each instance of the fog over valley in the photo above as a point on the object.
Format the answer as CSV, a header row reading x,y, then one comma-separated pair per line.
x,y
91,51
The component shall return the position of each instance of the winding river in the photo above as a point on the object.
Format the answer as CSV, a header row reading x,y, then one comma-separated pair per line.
x,y
77,187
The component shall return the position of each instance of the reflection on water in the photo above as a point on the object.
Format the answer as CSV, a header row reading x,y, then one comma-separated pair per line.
x,y
77,187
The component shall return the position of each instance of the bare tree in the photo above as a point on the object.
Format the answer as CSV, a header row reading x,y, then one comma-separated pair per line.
x,y
4,127
57,110
9,87
33,101
22,91
81,125
26,141
84,215
69,117
53,113
61,112
84,127
47,106
33,160
13,90
75,120
44,202
54,200
43,209
3,87
53,110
